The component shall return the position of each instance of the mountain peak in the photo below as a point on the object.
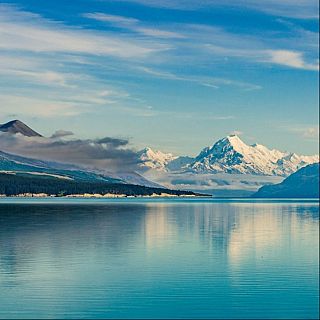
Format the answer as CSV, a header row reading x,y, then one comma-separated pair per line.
x,y
234,140
233,136
155,159
148,150
232,155
227,143
17,126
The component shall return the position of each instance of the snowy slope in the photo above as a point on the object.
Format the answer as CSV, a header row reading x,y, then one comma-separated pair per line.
x,y
232,155
153,159
229,167
229,155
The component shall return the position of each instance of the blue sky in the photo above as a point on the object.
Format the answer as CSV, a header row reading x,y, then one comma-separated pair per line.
x,y
173,75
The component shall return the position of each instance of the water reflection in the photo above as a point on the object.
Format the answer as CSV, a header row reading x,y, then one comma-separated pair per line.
x,y
158,259
30,234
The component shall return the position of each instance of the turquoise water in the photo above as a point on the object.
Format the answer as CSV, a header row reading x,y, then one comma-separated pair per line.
x,y
143,258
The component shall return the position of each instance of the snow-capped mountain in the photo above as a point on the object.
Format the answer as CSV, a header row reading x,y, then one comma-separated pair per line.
x,y
163,162
230,155
229,167
153,159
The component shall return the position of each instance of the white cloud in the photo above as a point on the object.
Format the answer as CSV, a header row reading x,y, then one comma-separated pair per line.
x,y
111,18
288,58
158,33
236,133
132,24
291,59
311,133
77,61
211,82
26,106
29,32
45,77
49,105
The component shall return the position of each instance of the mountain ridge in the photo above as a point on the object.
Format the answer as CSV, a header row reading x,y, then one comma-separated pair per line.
x,y
302,184
231,155
227,167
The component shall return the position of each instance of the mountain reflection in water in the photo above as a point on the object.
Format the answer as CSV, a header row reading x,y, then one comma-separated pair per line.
x,y
161,259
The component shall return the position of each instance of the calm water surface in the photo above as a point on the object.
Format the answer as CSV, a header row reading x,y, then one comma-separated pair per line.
x,y
159,259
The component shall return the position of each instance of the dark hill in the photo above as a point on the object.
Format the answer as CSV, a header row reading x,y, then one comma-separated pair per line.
x,y
302,184
16,126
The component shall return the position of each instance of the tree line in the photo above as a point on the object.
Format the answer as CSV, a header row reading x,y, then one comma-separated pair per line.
x,y
11,185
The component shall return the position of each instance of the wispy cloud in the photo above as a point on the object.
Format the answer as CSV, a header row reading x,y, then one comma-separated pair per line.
x,y
311,133
287,58
299,9
211,82
30,32
194,37
40,58
236,132
39,77
32,70
132,24
308,132
29,106
118,20
290,58
47,104
51,69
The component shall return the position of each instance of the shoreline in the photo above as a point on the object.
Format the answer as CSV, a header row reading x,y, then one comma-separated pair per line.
x,y
100,196
138,199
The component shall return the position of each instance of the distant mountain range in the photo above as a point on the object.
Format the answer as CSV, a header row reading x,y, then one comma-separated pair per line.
x,y
21,175
229,167
302,184
230,155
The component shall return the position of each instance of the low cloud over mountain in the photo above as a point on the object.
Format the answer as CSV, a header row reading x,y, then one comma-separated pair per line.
x,y
109,154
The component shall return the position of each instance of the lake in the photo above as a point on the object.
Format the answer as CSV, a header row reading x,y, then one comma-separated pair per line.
x,y
145,258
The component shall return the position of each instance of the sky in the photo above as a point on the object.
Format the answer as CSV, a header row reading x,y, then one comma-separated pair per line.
x,y
172,75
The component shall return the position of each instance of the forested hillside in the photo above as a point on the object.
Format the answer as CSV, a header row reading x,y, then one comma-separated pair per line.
x,y
11,185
